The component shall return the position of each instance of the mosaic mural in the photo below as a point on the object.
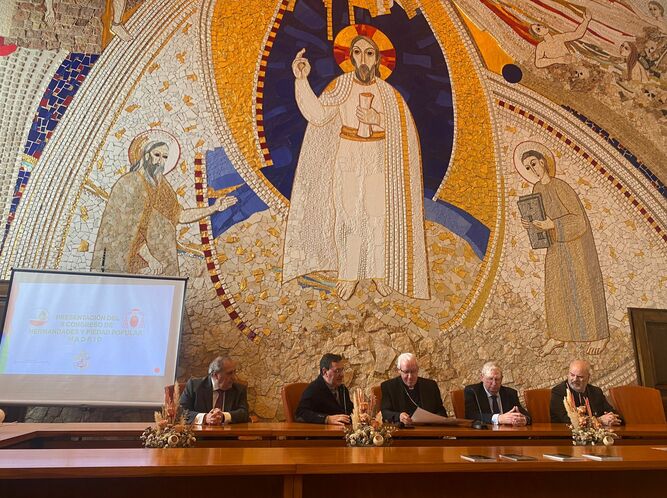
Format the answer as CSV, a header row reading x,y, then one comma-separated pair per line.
x,y
467,180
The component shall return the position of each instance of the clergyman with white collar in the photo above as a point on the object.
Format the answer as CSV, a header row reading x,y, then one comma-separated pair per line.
x,y
402,395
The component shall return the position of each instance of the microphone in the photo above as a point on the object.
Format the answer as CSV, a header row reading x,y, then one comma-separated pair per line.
x,y
477,424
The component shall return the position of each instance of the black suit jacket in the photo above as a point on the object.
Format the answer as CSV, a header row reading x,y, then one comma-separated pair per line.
x,y
395,399
509,398
197,398
596,399
317,401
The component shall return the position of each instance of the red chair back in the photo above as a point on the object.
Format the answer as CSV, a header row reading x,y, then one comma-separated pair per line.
x,y
291,395
459,403
638,404
537,404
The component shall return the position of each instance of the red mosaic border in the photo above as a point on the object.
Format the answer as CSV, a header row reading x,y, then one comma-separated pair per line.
x,y
214,274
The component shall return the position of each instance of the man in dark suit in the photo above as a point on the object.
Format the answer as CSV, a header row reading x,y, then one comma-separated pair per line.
x,y
326,400
493,403
216,399
403,394
578,376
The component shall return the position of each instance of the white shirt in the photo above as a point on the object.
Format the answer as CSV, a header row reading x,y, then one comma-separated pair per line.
x,y
494,418
226,416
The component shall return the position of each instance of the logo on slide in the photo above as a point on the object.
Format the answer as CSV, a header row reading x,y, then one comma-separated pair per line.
x,y
41,317
134,319
82,360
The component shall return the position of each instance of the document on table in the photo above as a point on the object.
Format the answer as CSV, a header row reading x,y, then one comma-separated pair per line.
x,y
562,457
422,417
602,458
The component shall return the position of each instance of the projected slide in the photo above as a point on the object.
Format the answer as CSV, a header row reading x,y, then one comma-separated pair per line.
x,y
69,330
90,338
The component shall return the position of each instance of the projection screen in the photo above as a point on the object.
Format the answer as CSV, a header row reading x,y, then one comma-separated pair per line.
x,y
89,338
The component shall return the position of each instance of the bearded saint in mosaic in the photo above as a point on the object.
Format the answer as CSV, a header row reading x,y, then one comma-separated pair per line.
x,y
138,229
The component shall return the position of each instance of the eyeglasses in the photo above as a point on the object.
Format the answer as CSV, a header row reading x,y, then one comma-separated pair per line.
x,y
337,370
493,379
409,372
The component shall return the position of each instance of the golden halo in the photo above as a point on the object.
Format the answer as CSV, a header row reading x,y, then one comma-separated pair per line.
x,y
529,145
344,39
138,143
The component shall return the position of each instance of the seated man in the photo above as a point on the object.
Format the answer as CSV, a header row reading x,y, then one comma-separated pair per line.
x,y
326,400
216,399
493,403
577,382
402,395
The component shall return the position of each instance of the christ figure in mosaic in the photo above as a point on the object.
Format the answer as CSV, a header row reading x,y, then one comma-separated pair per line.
x,y
573,289
357,198
138,229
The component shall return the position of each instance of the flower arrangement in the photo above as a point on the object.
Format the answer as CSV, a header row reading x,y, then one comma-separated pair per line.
x,y
170,429
586,429
367,430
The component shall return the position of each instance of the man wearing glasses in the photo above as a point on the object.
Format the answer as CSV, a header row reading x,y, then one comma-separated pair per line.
x,y
402,395
578,376
493,403
217,398
326,400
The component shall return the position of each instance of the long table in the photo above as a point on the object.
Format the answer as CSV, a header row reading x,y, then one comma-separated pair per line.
x,y
313,472
115,435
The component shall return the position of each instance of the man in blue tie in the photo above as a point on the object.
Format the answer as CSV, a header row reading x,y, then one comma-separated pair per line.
x,y
493,403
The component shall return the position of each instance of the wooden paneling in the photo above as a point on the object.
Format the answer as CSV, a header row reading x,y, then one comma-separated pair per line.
x,y
649,334
310,472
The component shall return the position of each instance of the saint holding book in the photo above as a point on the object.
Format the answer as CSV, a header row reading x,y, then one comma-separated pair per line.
x,y
574,295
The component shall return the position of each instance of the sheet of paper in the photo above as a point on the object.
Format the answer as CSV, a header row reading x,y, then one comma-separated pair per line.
x,y
421,417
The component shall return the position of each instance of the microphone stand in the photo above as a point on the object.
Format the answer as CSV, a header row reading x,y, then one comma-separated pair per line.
x,y
477,424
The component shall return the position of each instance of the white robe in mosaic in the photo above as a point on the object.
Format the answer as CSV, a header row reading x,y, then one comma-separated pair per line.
x,y
357,204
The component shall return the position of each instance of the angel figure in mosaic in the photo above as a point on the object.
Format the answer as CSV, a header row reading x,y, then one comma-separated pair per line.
x,y
357,200
574,298
137,233
635,72
657,11
552,48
